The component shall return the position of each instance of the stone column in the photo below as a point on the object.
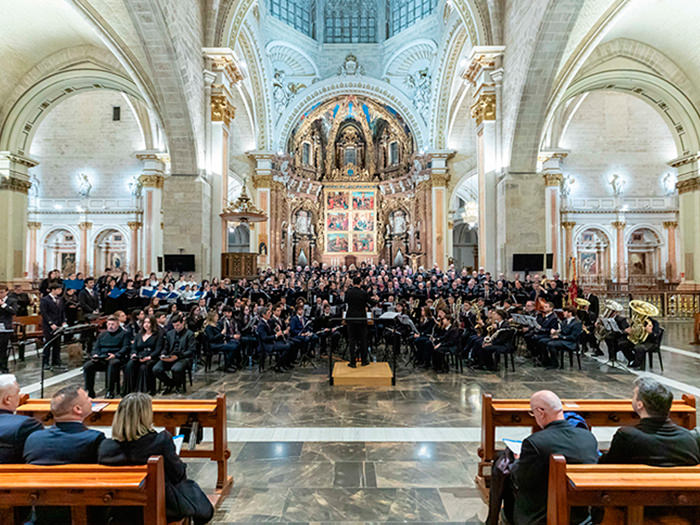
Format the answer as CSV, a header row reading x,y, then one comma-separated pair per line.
x,y
220,78
569,229
552,172
689,217
152,179
32,269
82,263
134,262
14,187
485,73
619,226
439,178
671,257
262,182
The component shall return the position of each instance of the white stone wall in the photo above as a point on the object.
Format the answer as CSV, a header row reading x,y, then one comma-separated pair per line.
x,y
79,136
617,133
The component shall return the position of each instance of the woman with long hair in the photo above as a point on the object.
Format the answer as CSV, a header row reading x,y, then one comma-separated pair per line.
x,y
133,441
138,371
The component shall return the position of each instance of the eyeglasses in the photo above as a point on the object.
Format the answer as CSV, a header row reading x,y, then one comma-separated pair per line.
x,y
532,412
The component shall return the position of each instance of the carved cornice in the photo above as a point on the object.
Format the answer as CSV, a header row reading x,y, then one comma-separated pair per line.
x,y
15,184
134,225
152,181
670,224
682,161
684,186
19,159
484,107
221,109
222,60
33,225
483,57
553,179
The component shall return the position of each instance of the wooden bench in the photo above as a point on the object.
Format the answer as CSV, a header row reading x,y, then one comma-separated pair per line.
x,y
597,413
168,413
27,330
624,491
82,486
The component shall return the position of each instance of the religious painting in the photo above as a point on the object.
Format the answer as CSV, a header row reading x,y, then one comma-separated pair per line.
x,y
67,263
302,222
362,200
363,242
637,262
337,221
363,222
337,200
589,263
337,242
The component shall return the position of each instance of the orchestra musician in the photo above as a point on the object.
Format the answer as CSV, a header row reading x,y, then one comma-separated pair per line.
x,y
222,337
301,333
566,338
536,339
487,352
328,329
272,339
615,340
636,353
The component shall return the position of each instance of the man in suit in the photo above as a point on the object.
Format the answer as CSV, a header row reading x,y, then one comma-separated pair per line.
x,y
177,350
637,354
530,472
89,299
14,428
8,309
53,317
109,354
565,339
69,440
357,300
22,298
272,339
301,333
594,308
501,342
655,440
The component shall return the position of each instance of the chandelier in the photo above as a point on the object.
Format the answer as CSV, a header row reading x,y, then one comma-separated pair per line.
x,y
243,210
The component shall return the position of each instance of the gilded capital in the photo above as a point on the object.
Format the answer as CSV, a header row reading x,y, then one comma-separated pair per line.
x,y
84,226
33,225
618,225
568,224
553,179
670,225
152,181
221,109
133,225
484,107
439,178
262,180
684,186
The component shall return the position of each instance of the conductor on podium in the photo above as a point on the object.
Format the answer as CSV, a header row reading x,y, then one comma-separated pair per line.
x,y
357,300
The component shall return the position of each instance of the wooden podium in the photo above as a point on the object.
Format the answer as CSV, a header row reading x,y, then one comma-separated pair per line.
x,y
236,265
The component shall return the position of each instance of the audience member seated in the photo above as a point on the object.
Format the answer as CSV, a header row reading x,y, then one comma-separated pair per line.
x,y
69,440
138,371
530,472
177,351
14,428
566,338
133,441
109,351
655,440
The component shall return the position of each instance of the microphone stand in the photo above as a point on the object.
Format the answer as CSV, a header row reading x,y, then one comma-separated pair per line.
x,y
56,336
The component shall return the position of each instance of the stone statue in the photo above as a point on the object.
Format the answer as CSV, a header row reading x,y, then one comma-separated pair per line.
x,y
398,222
84,185
616,184
420,82
351,66
135,186
281,94
669,183
566,184
303,222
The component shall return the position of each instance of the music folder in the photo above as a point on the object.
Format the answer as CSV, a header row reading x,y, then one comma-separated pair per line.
x,y
388,316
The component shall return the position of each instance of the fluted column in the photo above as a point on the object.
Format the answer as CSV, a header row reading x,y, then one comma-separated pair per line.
x,y
83,263
152,180
552,172
220,77
134,227
620,273
569,234
32,269
485,73
14,187
688,186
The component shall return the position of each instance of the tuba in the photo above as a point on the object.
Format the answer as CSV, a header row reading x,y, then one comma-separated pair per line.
x,y
612,308
641,312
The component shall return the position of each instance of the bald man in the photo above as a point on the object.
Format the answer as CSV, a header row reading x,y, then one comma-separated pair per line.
x,y
14,428
531,470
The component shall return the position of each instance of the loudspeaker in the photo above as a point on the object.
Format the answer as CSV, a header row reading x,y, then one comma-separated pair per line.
x,y
550,261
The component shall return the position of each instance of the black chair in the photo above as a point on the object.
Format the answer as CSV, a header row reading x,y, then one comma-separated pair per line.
x,y
511,348
206,352
262,354
657,350
571,351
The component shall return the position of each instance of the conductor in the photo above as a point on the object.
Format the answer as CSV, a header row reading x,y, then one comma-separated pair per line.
x,y
357,299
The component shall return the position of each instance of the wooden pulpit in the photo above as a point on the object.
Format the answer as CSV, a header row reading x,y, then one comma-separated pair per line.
x,y
236,265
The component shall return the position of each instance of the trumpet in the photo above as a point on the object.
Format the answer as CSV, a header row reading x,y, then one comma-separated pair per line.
x,y
641,312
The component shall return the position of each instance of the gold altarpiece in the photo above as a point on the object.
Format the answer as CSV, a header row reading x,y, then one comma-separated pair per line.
x,y
350,189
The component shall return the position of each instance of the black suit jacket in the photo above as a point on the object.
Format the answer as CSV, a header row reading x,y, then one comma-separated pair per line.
x,y
89,302
655,441
357,300
7,311
530,473
52,312
14,430
594,308
63,443
182,344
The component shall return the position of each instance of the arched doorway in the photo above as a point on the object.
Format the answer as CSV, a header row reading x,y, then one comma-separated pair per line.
x,y
110,250
60,251
239,239
593,256
465,246
643,256
465,235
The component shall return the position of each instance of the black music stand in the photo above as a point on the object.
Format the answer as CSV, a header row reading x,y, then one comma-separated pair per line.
x,y
56,336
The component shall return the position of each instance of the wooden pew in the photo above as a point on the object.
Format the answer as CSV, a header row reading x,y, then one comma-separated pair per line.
x,y
27,329
624,491
597,413
82,486
168,413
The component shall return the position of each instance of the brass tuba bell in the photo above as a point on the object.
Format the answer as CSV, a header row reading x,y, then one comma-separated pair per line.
x,y
641,312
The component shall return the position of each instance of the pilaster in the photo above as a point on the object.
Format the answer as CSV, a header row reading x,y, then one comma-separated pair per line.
x,y
619,226
32,268
83,263
262,182
552,172
569,236
152,179
134,227
688,186
440,231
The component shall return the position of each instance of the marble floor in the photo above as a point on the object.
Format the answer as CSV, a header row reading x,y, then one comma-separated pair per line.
x,y
322,454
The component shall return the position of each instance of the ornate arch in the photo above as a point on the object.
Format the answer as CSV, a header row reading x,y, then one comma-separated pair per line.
x,y
260,89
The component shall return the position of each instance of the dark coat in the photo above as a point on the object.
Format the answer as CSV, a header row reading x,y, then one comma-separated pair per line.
x,y
52,312
530,473
570,332
89,302
181,344
14,430
357,300
7,311
655,441
63,443
116,343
